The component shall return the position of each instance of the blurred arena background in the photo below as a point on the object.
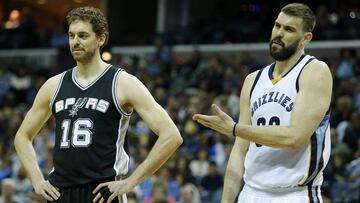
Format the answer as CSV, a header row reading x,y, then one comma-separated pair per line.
x,y
189,54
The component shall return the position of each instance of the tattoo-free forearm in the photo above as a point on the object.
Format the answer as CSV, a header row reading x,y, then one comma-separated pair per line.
x,y
272,136
164,147
28,159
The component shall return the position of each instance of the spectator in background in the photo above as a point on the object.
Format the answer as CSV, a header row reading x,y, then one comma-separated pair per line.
x,y
341,113
168,178
8,192
211,185
189,194
5,78
348,60
159,194
357,95
20,83
22,186
200,165
59,39
352,132
183,172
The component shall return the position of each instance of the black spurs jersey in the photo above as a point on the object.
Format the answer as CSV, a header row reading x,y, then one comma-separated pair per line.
x,y
90,130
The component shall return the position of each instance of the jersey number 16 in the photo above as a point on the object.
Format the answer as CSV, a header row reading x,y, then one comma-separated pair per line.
x,y
81,133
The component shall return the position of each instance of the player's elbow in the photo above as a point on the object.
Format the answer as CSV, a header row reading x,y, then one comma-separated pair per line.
x,y
18,140
171,137
177,139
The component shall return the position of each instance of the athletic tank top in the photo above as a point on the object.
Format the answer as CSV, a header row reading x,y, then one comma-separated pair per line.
x,y
268,168
90,130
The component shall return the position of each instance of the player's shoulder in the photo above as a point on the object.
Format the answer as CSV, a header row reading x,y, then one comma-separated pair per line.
x,y
315,68
54,80
250,81
318,63
314,72
126,80
250,78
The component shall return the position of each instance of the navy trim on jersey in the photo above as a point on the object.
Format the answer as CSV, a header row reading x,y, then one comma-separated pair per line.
x,y
317,193
255,81
313,194
271,69
57,90
311,198
74,78
317,147
313,155
297,79
114,90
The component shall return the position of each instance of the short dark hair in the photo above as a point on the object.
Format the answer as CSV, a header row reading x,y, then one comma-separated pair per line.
x,y
92,15
302,11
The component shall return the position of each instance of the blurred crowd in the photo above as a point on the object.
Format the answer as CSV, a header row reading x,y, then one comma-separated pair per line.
x,y
334,21
183,85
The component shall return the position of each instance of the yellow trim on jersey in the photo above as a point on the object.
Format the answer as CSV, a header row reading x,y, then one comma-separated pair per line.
x,y
276,80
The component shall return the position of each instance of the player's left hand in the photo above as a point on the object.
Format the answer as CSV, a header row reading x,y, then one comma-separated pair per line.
x,y
220,121
106,192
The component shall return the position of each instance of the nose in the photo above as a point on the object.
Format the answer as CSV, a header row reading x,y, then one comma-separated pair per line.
x,y
280,32
76,39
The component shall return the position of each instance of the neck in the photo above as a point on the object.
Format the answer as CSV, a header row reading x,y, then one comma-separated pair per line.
x,y
282,67
90,68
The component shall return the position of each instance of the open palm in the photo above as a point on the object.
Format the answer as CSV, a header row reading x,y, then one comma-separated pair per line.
x,y
220,121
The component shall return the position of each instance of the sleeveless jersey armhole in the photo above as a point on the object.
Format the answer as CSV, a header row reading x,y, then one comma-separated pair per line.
x,y
57,90
255,81
297,79
114,95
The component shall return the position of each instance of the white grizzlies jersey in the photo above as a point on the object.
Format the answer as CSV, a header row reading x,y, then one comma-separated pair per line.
x,y
268,168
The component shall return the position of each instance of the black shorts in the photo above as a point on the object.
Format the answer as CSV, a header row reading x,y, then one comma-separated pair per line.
x,y
80,194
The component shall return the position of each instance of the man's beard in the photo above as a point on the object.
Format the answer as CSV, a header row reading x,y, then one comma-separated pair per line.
x,y
284,53
84,57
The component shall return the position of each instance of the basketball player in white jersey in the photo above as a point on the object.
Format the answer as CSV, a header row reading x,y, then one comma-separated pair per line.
x,y
282,137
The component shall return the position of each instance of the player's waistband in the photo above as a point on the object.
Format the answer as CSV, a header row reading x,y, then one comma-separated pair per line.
x,y
284,192
89,184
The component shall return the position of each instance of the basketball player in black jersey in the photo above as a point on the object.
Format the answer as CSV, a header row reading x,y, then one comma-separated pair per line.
x,y
92,104
282,136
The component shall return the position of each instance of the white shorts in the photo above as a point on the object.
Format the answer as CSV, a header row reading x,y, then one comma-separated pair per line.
x,y
293,195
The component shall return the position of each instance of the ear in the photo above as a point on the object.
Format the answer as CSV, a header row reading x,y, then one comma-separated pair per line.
x,y
307,38
101,40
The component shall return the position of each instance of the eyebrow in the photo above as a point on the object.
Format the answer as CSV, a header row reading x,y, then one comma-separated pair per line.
x,y
82,32
286,26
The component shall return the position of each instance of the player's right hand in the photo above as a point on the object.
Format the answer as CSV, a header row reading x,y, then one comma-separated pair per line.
x,y
48,191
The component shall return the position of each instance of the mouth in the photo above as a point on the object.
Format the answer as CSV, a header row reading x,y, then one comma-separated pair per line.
x,y
277,43
77,49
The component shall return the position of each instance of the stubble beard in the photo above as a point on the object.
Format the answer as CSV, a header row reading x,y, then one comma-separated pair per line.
x,y
84,57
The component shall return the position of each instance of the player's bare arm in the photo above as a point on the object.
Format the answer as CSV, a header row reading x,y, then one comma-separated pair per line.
x,y
235,168
133,95
38,114
312,103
